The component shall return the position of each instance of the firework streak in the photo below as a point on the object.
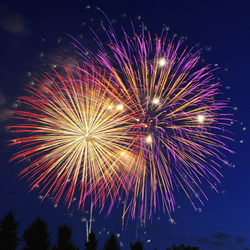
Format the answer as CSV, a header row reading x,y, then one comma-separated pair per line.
x,y
133,123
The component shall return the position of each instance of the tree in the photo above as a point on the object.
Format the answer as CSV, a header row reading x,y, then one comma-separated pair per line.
x,y
138,245
182,247
36,236
192,248
64,239
174,247
8,232
91,243
112,243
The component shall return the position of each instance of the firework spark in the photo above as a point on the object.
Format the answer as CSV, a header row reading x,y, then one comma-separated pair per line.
x,y
138,120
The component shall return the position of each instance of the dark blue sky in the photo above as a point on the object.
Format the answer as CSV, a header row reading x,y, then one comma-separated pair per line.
x,y
224,26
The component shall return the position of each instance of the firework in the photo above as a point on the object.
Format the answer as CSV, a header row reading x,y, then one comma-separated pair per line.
x,y
77,134
138,120
181,118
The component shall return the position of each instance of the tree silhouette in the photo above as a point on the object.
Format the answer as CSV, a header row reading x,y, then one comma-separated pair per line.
x,y
181,247
36,236
174,247
192,248
91,243
138,245
8,232
64,241
112,243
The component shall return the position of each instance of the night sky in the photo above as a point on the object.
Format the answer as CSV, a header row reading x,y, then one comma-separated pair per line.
x,y
32,35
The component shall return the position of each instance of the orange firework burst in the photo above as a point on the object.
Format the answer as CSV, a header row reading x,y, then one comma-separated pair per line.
x,y
78,134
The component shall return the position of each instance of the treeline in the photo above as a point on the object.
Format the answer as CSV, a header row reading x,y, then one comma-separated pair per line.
x,y
37,237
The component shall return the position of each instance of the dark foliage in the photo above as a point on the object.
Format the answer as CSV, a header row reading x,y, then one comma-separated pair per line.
x,y
182,247
36,236
138,245
112,243
64,239
8,232
91,243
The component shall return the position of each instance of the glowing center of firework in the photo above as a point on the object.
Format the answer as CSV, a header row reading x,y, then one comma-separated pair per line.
x,y
156,101
88,137
149,139
122,153
110,107
200,118
162,62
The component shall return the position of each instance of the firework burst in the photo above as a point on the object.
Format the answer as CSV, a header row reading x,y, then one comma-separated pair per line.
x,y
138,120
